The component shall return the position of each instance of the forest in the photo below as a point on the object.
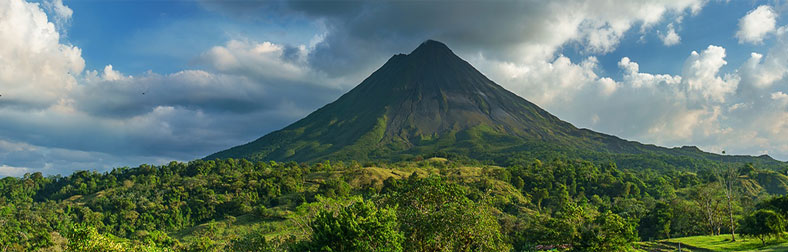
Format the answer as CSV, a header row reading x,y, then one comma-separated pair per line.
x,y
448,203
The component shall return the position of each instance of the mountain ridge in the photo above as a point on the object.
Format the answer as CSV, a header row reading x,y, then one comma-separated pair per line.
x,y
428,101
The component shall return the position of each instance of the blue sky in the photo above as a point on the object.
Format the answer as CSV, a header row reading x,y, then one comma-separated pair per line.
x,y
221,73
716,24
165,36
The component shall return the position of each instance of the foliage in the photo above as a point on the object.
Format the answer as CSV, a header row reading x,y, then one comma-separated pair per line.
x,y
763,224
438,216
452,204
86,238
252,242
608,232
357,227
658,221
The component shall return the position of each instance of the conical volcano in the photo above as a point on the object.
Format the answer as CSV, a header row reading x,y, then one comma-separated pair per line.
x,y
425,102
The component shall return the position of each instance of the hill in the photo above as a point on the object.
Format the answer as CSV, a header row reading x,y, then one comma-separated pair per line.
x,y
432,101
236,205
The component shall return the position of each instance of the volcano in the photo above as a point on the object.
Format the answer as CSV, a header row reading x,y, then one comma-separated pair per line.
x,y
432,101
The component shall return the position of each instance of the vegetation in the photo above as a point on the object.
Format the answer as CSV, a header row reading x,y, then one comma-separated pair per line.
x,y
763,224
433,204
358,227
723,243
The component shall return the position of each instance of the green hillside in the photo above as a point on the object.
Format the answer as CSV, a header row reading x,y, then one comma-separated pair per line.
x,y
420,205
431,101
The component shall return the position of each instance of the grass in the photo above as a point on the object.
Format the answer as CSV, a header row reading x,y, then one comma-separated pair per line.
x,y
723,243
225,229
657,247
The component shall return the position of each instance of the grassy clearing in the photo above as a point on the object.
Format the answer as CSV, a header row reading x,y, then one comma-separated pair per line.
x,y
228,228
723,243
657,247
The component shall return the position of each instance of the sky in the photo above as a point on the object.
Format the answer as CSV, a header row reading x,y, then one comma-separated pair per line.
x,y
94,85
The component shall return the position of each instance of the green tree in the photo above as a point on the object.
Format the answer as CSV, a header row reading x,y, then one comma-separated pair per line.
x,y
518,182
729,178
438,216
657,222
334,188
539,195
709,199
762,224
608,232
358,227
564,226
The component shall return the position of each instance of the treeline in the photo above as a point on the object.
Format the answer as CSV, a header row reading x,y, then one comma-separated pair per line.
x,y
430,204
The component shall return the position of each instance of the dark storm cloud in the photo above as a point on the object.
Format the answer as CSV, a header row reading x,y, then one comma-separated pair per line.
x,y
363,33
358,30
360,33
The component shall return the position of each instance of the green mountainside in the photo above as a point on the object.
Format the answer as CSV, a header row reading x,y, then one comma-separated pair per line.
x,y
432,101
436,204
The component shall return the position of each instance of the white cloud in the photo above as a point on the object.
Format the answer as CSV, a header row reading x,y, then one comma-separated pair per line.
x,y
754,26
61,13
662,104
670,37
780,97
58,118
6,170
700,74
763,71
264,59
702,106
633,77
37,70
555,80
608,85
692,108
112,75
604,23
738,106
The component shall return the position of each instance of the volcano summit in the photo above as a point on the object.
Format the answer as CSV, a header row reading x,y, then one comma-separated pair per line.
x,y
432,101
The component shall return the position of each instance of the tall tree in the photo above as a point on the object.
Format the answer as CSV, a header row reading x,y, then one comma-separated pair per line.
x,y
709,199
728,176
608,232
657,222
763,223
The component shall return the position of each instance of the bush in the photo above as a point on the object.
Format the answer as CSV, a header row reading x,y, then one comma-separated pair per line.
x,y
358,227
763,224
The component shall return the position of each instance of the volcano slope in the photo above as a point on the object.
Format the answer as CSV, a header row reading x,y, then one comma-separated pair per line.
x,y
431,102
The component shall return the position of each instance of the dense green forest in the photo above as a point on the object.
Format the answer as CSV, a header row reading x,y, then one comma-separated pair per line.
x,y
434,204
